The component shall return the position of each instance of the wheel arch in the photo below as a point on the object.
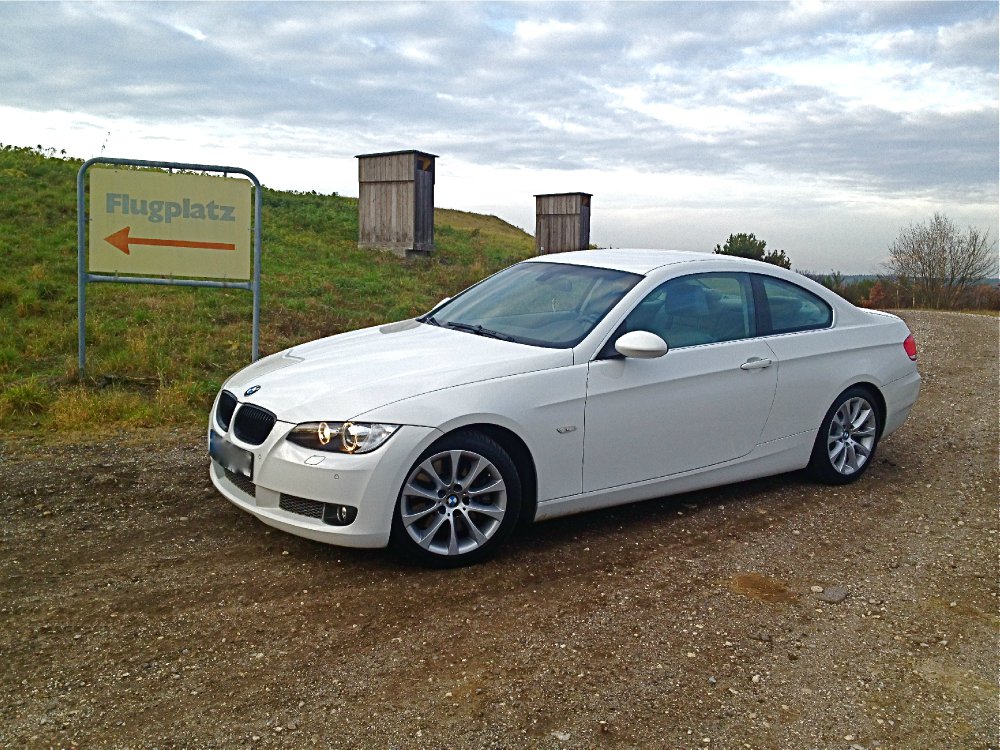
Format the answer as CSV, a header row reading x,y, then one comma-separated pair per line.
x,y
877,395
519,453
822,461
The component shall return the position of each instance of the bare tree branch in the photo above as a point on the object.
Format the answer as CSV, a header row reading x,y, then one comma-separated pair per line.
x,y
937,264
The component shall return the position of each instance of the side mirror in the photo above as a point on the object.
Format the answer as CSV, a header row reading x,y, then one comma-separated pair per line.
x,y
641,345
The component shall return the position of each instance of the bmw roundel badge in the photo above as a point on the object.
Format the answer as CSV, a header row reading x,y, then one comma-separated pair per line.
x,y
251,390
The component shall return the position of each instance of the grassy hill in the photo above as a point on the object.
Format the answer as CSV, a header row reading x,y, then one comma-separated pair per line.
x,y
157,355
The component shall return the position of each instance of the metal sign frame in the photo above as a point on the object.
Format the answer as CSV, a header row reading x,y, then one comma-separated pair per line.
x,y
84,276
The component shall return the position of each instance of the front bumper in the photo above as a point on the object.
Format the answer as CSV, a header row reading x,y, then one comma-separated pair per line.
x,y
297,478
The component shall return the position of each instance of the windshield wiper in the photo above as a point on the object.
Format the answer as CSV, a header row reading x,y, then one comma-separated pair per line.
x,y
480,331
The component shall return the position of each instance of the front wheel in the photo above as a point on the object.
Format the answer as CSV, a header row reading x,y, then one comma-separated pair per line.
x,y
847,438
459,501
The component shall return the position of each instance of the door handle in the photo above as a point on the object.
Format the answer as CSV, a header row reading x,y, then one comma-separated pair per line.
x,y
755,363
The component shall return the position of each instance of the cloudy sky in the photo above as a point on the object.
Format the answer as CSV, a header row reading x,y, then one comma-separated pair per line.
x,y
822,127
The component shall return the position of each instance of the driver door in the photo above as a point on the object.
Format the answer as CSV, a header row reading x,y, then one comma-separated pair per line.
x,y
704,402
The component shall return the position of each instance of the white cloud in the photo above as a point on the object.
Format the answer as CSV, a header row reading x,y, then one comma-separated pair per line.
x,y
820,126
858,77
533,31
418,53
196,34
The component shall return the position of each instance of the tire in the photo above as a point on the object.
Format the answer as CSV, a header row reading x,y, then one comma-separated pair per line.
x,y
847,438
458,503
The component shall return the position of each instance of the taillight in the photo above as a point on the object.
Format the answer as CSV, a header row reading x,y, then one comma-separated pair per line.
x,y
910,346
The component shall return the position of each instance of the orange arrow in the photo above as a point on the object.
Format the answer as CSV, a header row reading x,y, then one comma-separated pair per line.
x,y
121,240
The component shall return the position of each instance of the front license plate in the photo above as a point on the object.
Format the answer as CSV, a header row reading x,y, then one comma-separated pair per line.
x,y
231,457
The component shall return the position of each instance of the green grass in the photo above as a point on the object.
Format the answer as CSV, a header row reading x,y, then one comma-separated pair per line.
x,y
157,355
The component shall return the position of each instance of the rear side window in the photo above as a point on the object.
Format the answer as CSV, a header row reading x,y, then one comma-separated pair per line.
x,y
792,308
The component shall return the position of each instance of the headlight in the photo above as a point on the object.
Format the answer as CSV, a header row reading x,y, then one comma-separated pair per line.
x,y
341,437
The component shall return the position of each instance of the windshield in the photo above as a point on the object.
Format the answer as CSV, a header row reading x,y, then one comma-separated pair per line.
x,y
542,304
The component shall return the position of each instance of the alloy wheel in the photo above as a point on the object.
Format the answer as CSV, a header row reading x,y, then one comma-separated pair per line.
x,y
852,434
453,502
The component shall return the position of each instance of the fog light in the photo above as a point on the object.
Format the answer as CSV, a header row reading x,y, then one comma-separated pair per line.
x,y
339,515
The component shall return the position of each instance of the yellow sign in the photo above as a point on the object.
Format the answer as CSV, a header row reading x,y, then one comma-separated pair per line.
x,y
158,224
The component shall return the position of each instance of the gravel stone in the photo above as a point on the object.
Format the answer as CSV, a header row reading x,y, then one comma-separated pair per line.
x,y
833,594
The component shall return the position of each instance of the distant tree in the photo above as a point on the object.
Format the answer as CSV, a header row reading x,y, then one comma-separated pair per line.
x,y
835,281
745,245
860,290
935,263
778,258
985,297
877,297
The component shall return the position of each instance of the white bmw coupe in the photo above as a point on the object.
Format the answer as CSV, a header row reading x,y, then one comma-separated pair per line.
x,y
561,384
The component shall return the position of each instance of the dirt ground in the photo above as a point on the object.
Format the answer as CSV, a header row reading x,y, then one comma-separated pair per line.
x,y
139,609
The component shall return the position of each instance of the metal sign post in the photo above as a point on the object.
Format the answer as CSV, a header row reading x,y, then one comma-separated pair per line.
x,y
158,226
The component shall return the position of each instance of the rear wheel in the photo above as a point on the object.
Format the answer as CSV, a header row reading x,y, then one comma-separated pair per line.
x,y
847,438
459,501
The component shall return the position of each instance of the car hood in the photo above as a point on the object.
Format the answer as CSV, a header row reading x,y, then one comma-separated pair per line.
x,y
343,376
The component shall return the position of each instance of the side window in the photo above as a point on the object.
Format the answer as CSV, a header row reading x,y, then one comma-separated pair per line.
x,y
792,308
698,309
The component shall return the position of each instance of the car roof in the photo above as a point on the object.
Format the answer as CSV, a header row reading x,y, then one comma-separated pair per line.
x,y
631,260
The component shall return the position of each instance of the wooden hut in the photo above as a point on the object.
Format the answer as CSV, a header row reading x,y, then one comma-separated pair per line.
x,y
396,202
562,222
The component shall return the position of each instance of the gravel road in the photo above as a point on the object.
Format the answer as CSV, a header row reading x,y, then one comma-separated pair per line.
x,y
139,609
